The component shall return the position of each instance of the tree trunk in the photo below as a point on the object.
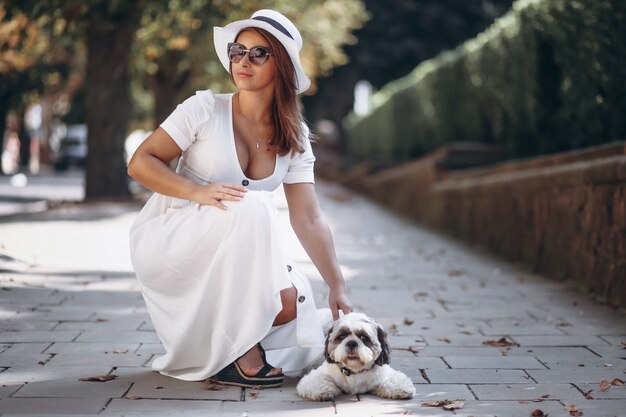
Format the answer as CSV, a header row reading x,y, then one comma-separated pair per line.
x,y
166,85
108,103
3,125
24,137
165,94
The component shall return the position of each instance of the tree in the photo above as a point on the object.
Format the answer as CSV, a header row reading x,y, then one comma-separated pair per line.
x,y
174,52
107,28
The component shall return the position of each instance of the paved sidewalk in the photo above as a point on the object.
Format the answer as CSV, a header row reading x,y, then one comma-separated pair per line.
x,y
70,309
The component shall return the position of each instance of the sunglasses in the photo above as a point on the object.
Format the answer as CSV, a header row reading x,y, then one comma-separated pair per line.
x,y
258,55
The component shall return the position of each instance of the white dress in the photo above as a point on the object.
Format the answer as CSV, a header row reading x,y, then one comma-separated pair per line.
x,y
211,279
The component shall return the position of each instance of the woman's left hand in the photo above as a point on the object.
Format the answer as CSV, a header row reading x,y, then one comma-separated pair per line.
x,y
338,300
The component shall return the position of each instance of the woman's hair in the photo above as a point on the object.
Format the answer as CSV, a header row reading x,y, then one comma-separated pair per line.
x,y
288,126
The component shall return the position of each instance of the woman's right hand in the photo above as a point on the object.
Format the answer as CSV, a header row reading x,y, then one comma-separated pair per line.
x,y
214,194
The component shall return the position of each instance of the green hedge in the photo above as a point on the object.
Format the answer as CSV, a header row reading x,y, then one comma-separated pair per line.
x,y
548,76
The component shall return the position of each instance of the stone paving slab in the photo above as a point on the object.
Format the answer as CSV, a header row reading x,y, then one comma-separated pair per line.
x,y
43,406
576,375
74,388
20,359
148,384
528,392
480,376
38,336
160,407
503,362
253,408
27,348
95,348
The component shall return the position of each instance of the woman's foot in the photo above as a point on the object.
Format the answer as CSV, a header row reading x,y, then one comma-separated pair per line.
x,y
252,362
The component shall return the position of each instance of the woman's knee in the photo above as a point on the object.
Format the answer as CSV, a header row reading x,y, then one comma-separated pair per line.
x,y
288,298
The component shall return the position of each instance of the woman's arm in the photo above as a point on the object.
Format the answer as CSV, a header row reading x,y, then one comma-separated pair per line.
x,y
149,167
313,232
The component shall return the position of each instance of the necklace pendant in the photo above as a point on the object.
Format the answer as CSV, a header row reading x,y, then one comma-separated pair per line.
x,y
257,145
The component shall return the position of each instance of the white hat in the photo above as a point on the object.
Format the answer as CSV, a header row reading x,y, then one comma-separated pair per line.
x,y
276,24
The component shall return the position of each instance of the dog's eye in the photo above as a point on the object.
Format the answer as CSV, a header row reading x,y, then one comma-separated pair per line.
x,y
341,336
364,338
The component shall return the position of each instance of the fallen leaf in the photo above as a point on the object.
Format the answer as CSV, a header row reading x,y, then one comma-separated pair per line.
x,y
99,320
447,405
573,410
563,324
254,395
158,387
211,385
540,399
605,385
133,397
466,332
413,349
101,378
393,329
120,351
408,322
502,342
456,272
617,382
41,363
505,351
537,413
444,340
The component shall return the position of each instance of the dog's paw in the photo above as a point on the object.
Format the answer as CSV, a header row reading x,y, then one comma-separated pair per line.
x,y
397,386
317,389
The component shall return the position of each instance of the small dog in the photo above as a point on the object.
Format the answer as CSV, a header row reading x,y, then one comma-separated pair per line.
x,y
357,358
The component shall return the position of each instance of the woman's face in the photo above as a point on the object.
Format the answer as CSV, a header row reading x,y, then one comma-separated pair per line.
x,y
253,77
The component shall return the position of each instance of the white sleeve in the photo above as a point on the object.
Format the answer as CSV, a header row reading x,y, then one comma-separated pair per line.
x,y
182,124
301,165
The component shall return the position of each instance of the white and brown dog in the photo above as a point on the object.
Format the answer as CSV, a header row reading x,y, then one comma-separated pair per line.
x,y
357,362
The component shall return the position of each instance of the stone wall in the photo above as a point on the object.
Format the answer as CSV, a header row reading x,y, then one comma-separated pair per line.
x,y
562,215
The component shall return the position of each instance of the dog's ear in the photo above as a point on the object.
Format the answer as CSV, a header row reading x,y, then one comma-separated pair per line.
x,y
326,353
383,358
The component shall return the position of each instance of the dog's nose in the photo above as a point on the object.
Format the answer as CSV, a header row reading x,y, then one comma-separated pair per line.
x,y
351,344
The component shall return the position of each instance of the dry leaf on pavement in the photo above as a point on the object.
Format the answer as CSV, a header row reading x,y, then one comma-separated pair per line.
x,y
573,410
447,405
101,378
502,342
444,340
212,386
537,413
413,349
133,397
408,322
617,382
605,385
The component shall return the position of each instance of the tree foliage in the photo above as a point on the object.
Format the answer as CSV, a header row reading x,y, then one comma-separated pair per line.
x,y
400,35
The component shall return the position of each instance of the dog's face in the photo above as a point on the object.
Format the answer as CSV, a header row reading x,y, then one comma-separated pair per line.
x,y
357,342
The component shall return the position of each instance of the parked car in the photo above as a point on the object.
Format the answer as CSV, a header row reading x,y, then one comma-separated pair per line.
x,y
72,151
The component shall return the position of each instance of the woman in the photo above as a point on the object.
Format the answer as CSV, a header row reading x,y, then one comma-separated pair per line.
x,y
206,249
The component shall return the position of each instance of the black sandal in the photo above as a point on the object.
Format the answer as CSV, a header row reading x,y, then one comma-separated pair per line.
x,y
233,375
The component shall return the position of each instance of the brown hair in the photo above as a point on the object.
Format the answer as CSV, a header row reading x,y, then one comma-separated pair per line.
x,y
288,129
